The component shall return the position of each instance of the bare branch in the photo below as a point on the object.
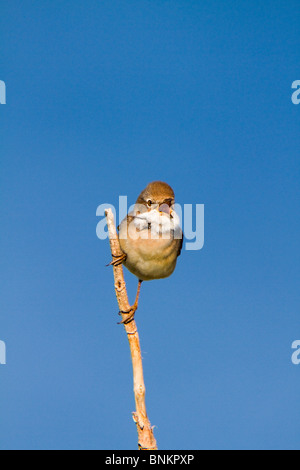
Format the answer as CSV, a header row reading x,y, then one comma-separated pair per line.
x,y
146,439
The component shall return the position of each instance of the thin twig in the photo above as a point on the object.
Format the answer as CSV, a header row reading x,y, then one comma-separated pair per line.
x,y
146,439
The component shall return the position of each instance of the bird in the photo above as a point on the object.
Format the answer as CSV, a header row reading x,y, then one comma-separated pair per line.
x,y
150,238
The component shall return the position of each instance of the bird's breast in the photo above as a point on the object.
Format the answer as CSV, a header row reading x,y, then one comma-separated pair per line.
x,y
151,259
151,254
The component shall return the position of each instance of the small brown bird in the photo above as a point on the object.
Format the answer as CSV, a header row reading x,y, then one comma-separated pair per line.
x,y
150,237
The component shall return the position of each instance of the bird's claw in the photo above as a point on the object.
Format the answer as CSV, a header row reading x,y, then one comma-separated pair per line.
x,y
129,315
118,260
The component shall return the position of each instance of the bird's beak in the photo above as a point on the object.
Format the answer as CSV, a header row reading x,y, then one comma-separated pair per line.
x,y
166,209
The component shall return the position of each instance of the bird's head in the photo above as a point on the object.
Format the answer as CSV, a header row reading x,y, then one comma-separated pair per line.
x,y
157,196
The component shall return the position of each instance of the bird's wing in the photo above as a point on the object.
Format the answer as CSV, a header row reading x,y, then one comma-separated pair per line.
x,y
180,244
129,218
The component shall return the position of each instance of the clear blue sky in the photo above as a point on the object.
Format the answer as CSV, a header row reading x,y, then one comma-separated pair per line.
x,y
102,98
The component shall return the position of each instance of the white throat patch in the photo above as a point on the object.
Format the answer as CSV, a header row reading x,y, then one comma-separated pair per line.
x,y
160,224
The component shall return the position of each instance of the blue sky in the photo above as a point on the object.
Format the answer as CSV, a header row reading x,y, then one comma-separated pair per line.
x,y
102,98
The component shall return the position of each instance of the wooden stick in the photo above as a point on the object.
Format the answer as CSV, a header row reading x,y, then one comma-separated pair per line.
x,y
146,439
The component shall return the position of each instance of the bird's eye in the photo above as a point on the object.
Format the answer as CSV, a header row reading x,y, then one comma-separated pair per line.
x,y
170,202
149,203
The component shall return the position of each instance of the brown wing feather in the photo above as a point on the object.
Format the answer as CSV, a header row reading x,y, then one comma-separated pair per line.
x,y
129,220
180,245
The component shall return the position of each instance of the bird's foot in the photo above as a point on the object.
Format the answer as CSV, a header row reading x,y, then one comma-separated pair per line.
x,y
130,314
117,260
